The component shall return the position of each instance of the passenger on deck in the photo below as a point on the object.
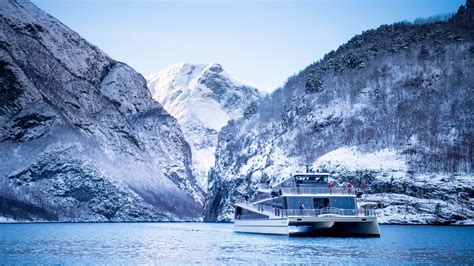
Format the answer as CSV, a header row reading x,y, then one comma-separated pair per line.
x,y
349,188
330,186
301,208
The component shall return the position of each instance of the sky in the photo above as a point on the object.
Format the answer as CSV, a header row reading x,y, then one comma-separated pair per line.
x,y
259,43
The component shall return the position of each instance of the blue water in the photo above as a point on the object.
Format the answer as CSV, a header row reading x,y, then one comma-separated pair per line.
x,y
187,243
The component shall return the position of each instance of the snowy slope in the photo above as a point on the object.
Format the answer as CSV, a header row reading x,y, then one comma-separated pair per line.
x,y
399,195
81,138
203,98
390,111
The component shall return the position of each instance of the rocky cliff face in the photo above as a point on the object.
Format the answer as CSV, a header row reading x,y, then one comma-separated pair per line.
x,y
390,111
81,138
203,98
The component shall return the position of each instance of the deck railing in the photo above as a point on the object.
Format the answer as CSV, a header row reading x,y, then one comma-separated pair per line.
x,y
315,212
335,211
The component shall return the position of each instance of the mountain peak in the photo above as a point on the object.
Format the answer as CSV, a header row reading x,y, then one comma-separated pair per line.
x,y
203,98
214,67
185,77
187,67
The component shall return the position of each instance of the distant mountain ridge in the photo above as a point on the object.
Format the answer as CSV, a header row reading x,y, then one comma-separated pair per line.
x,y
390,111
203,98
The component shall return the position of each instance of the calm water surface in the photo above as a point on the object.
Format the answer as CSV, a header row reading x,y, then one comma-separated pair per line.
x,y
185,243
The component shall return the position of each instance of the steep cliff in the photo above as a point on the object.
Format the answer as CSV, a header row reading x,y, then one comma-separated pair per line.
x,y
81,138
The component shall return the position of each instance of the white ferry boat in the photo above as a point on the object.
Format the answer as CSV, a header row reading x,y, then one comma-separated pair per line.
x,y
305,204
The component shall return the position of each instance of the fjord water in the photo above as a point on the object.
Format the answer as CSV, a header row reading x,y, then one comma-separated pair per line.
x,y
184,243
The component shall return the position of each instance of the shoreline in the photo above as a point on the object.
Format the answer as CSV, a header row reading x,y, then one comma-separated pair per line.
x,y
116,222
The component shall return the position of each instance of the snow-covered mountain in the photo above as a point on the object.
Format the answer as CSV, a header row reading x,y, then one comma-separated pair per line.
x,y
390,111
203,98
81,138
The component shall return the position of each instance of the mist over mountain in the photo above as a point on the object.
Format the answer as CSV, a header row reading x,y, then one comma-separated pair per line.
x,y
203,98
390,111
81,138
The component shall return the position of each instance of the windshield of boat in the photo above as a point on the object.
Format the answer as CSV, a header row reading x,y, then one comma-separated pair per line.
x,y
311,178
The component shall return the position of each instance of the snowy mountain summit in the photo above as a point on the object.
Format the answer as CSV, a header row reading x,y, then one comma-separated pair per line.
x,y
203,98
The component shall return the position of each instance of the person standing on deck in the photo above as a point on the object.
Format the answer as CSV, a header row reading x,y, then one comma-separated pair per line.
x,y
330,186
301,208
349,188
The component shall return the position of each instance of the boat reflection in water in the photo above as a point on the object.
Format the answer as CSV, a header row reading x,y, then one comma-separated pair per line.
x,y
305,204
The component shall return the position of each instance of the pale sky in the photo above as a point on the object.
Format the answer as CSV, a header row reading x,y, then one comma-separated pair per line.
x,y
259,43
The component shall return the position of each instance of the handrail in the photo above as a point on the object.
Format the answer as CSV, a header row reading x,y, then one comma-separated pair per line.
x,y
314,212
336,211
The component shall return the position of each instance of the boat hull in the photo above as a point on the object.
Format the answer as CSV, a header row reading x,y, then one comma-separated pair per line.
x,y
345,229
334,226
262,226
327,226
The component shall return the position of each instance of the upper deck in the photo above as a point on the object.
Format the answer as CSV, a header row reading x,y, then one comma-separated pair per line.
x,y
306,184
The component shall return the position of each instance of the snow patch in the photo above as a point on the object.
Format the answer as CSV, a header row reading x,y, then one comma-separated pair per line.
x,y
6,220
350,159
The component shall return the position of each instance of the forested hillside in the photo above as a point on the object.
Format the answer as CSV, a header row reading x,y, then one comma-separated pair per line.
x,y
390,111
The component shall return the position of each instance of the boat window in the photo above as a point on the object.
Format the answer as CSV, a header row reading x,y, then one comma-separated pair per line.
x,y
319,203
243,214
295,202
342,202
311,178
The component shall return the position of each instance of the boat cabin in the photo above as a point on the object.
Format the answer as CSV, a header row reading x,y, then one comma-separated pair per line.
x,y
303,194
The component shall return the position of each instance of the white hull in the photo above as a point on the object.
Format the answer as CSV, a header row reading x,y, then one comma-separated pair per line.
x,y
262,226
294,226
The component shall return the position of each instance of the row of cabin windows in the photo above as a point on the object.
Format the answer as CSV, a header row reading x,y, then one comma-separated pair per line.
x,y
319,203
311,203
